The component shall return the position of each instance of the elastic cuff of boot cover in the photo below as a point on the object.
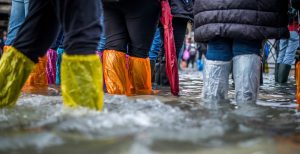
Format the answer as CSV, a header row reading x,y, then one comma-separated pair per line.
x,y
17,53
80,57
246,55
114,51
215,62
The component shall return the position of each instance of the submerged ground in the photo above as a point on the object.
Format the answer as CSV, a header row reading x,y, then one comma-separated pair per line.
x,y
160,124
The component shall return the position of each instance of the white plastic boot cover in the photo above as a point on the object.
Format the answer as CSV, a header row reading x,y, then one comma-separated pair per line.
x,y
246,72
215,78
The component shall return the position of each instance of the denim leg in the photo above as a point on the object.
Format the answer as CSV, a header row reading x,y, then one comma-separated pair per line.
x,y
26,6
245,47
283,44
219,50
156,45
17,18
101,45
291,49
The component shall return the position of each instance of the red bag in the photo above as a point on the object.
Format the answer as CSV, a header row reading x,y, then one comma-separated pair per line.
x,y
170,50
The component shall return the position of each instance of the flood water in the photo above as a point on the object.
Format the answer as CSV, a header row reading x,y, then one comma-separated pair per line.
x,y
160,124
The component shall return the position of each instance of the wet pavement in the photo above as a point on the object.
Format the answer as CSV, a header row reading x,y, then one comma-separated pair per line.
x,y
160,124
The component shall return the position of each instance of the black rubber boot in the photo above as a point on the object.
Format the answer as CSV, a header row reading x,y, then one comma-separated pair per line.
x,y
276,72
283,72
152,63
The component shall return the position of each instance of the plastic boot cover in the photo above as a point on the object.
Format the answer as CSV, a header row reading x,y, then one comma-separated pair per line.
x,y
82,83
246,71
116,73
51,66
140,75
298,82
5,48
216,80
100,54
283,72
14,71
59,51
37,80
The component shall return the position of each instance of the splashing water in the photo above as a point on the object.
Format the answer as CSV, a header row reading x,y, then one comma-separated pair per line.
x,y
155,124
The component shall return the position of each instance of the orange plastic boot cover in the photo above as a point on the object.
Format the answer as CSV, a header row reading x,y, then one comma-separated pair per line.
x,y
37,80
140,75
5,48
116,72
298,82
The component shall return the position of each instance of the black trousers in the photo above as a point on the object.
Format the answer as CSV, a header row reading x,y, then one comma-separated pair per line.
x,y
130,26
179,26
79,19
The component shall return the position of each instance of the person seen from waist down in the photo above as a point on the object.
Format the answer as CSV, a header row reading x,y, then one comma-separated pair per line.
x,y
234,30
288,47
182,11
81,76
129,31
192,49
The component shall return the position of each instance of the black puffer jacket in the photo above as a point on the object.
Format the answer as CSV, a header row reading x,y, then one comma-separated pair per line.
x,y
182,8
240,19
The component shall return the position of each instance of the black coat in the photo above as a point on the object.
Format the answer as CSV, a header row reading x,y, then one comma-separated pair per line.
x,y
240,19
182,9
296,4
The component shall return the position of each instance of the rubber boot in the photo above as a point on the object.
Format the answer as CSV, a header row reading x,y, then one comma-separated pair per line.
x,y
152,63
216,80
140,75
37,81
14,71
283,73
276,72
246,71
116,67
82,81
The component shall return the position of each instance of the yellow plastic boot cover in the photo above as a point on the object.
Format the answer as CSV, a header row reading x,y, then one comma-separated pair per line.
x,y
140,75
37,81
14,70
82,81
116,73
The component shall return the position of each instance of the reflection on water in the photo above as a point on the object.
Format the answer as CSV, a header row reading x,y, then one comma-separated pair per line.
x,y
155,124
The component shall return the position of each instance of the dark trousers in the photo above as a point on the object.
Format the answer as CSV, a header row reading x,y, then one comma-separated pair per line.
x,y
179,26
79,19
130,26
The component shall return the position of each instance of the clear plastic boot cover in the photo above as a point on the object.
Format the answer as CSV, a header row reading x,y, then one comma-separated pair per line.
x,y
246,71
215,78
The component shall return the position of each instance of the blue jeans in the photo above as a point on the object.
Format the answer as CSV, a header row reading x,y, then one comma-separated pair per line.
x,y
19,11
156,46
288,48
101,45
223,49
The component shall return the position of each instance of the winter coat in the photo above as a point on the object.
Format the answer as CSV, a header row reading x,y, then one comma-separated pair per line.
x,y
296,4
240,19
182,8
